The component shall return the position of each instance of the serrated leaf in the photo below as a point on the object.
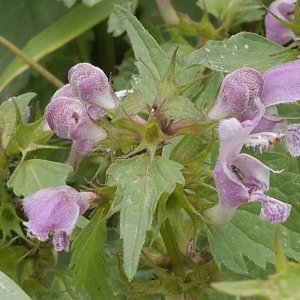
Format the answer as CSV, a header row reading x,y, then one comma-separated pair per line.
x,y
181,108
283,285
36,174
140,183
246,235
147,52
9,290
115,25
8,115
229,55
28,137
89,258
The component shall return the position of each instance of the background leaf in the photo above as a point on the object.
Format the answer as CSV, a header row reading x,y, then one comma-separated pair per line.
x,y
9,290
36,174
147,52
140,184
229,55
91,269
77,21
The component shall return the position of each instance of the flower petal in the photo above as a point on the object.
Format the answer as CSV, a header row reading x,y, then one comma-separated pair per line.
x,y
272,209
68,118
281,84
231,192
91,86
276,31
292,139
256,175
61,241
54,211
237,92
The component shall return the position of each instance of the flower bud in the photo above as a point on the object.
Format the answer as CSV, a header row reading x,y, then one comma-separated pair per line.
x,y
68,118
92,87
237,93
65,91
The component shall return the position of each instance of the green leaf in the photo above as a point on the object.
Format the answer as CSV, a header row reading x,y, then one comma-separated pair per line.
x,y
28,137
209,89
181,108
8,115
229,55
62,287
77,21
140,183
9,290
283,285
244,288
146,51
115,25
91,269
36,174
10,260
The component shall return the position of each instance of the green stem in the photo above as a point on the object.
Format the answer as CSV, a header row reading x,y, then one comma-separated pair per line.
x,y
49,76
173,249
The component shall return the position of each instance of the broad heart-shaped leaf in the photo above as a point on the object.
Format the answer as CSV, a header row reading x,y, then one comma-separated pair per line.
x,y
77,21
147,52
247,236
241,50
89,258
36,174
140,183
9,290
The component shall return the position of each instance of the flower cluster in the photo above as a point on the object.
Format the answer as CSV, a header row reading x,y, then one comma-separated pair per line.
x,y
55,211
250,99
72,113
276,31
75,107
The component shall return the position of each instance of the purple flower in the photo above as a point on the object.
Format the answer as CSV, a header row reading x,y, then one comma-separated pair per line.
x,y
92,87
55,211
279,85
68,118
240,178
276,31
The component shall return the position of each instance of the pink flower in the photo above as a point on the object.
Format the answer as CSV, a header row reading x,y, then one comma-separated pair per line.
x,y
276,31
55,211
279,85
240,178
92,87
68,118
